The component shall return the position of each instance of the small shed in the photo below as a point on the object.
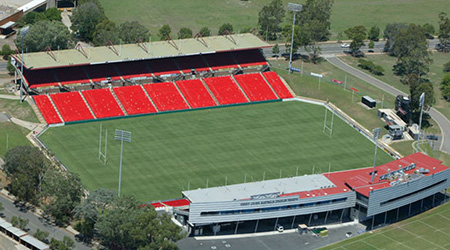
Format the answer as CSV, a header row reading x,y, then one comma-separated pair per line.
x,y
7,29
368,101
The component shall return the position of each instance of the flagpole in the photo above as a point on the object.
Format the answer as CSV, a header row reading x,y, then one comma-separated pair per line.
x,y
422,100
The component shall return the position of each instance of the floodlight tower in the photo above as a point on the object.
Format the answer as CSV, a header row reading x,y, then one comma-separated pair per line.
x,y
376,134
422,100
23,33
294,8
121,135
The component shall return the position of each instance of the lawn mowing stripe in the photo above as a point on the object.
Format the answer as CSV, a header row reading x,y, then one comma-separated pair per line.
x,y
437,230
418,236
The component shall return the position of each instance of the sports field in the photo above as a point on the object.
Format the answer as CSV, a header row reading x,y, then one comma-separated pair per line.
x,y
213,146
429,230
196,14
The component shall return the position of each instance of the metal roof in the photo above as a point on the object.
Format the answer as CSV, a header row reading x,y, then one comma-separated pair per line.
x,y
261,188
35,242
141,51
8,25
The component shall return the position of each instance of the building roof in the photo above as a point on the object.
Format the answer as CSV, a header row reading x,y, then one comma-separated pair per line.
x,y
7,25
35,242
308,186
140,51
256,190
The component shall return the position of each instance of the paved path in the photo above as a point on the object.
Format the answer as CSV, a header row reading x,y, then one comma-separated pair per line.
x,y
441,120
25,124
10,97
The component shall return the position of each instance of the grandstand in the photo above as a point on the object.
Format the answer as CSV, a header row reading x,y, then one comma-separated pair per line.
x,y
145,78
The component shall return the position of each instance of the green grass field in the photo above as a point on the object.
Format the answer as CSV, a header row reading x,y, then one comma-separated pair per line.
x,y
195,14
11,135
168,151
429,230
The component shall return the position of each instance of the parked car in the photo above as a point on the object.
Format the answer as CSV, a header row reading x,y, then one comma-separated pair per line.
x,y
345,45
432,137
371,51
280,228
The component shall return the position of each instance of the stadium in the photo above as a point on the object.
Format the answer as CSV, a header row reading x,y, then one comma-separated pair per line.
x,y
211,111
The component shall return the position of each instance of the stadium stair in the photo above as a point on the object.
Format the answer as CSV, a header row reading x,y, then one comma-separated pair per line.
x,y
54,106
87,104
268,84
239,86
36,111
146,94
209,91
118,101
181,93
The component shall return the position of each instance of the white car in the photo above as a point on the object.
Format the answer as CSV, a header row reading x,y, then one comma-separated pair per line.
x,y
345,45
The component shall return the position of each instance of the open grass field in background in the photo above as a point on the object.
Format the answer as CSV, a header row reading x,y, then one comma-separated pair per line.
x,y
169,150
11,135
196,14
425,231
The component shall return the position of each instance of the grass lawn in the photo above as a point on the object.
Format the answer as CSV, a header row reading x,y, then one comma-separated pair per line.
x,y
425,231
243,14
18,110
12,135
169,150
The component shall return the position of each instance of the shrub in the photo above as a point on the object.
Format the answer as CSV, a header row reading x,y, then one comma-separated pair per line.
x,y
370,66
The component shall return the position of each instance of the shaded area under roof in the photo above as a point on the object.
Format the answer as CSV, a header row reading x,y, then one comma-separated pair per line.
x,y
140,51
247,190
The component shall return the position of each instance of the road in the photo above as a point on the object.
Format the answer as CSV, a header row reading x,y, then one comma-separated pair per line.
x,y
335,48
35,222
441,120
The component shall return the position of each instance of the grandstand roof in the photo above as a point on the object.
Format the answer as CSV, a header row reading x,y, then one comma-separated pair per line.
x,y
142,51
247,190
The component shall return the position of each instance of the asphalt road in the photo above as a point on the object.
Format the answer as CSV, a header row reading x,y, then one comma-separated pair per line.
x,y
3,65
441,120
35,222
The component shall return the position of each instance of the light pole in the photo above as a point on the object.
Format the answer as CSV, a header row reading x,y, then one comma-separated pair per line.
x,y
295,8
422,100
376,134
23,33
121,136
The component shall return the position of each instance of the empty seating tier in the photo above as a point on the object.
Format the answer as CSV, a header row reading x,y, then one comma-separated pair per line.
x,y
71,106
40,78
133,69
165,66
195,93
101,72
246,58
134,100
71,75
223,60
165,96
102,103
47,110
274,80
225,90
187,63
255,87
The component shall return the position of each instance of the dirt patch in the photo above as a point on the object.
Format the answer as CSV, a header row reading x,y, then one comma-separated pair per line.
x,y
14,108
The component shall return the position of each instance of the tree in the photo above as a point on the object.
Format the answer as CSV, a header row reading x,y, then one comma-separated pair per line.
x,y
357,34
6,51
130,32
85,19
371,45
417,86
225,27
374,33
105,32
276,49
429,30
205,31
447,67
19,222
445,87
66,244
270,18
317,14
164,32
444,31
41,235
53,34
391,32
53,14
25,167
411,49
10,67
31,18
61,193
184,33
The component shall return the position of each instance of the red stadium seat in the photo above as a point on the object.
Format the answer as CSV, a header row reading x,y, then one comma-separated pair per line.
x,y
165,96
195,93
71,106
225,90
102,103
274,80
47,110
255,87
134,100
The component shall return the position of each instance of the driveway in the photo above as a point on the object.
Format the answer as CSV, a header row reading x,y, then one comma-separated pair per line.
x,y
438,117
